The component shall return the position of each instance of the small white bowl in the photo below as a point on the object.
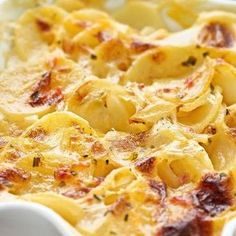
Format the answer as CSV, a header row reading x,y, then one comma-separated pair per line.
x,y
31,219
230,228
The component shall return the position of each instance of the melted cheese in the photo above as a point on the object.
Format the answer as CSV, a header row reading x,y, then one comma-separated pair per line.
x,y
120,130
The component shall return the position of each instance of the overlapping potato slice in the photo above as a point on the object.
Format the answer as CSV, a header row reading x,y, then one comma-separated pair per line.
x,y
188,88
155,64
158,122
225,77
112,57
70,5
178,163
36,30
111,207
213,34
105,105
78,21
100,98
152,113
85,29
211,30
163,151
222,145
117,201
66,157
200,117
32,90
222,149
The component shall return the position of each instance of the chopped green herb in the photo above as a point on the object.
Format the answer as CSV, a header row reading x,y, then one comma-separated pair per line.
x,y
227,112
191,61
126,217
112,232
73,173
205,54
94,161
93,57
96,197
134,156
223,174
62,184
36,161
212,88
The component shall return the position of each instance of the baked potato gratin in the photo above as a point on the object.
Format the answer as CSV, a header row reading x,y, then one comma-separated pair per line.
x,y
121,130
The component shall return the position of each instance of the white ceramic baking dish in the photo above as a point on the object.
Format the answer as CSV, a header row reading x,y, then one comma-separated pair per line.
x,y
31,219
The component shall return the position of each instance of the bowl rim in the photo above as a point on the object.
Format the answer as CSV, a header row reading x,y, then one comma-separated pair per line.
x,y
39,210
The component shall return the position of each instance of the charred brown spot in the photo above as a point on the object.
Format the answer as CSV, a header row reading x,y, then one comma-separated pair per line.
x,y
141,86
76,193
96,182
43,94
38,134
130,142
189,83
98,148
14,154
103,36
63,173
38,97
139,47
13,175
210,129
166,90
140,138
181,201
159,188
45,82
216,34
158,57
120,206
124,144
145,165
54,97
123,66
43,25
214,194
232,132
50,98
190,224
